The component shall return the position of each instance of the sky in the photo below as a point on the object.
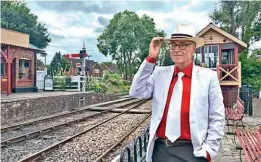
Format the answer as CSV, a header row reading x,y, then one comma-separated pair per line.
x,y
70,23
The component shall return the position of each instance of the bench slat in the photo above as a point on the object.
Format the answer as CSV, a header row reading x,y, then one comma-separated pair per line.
x,y
251,143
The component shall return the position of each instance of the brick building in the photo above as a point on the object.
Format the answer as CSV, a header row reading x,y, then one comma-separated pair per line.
x,y
18,62
93,69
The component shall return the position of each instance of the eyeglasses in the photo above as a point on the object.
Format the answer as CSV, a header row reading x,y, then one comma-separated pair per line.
x,y
181,46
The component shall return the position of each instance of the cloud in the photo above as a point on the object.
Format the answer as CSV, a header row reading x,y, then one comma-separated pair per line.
x,y
78,6
70,23
99,30
103,21
55,36
168,22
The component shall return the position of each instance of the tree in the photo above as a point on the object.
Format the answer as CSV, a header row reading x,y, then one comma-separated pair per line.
x,y
251,68
108,63
58,65
65,65
242,16
39,64
55,65
127,39
15,15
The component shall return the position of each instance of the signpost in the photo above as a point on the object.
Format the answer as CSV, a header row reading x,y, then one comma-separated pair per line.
x,y
48,83
82,55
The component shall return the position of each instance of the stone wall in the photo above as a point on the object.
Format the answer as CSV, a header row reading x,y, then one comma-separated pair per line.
x,y
257,107
21,110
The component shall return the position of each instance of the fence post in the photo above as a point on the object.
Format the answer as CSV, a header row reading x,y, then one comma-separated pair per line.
x,y
245,96
250,98
128,154
145,141
135,148
241,90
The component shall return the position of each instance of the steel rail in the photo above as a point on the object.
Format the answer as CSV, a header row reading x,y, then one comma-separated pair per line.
x,y
42,153
21,124
37,133
101,158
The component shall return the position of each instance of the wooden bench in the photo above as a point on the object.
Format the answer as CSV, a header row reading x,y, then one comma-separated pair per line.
x,y
250,143
236,113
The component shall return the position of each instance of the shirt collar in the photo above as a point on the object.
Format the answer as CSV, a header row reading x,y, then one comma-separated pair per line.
x,y
187,71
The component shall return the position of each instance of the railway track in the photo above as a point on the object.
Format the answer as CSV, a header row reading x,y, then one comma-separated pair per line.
x,y
5,128
42,153
102,157
45,130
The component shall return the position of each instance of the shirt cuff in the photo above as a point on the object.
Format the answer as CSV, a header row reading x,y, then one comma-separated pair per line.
x,y
150,59
208,157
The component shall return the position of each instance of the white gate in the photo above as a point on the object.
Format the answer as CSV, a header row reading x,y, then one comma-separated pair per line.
x,y
40,79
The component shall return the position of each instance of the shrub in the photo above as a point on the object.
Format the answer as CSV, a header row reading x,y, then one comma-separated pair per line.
x,y
126,82
68,81
59,82
104,87
97,86
113,81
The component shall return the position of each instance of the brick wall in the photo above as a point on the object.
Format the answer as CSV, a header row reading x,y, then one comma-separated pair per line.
x,y
257,107
16,111
28,54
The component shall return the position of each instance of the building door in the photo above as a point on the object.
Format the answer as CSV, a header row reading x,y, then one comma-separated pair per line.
x,y
3,76
13,73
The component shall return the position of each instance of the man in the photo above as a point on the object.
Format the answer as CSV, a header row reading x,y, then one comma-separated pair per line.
x,y
187,119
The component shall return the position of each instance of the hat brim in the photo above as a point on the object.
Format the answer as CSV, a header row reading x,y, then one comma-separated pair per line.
x,y
199,41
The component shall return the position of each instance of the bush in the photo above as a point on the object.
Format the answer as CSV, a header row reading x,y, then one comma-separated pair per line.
x,y
104,87
96,86
113,81
59,82
68,81
127,87
126,82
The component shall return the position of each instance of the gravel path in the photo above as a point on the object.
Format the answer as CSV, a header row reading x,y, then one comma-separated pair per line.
x,y
20,150
129,141
146,106
91,145
42,125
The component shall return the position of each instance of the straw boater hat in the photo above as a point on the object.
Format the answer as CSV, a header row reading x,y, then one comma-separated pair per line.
x,y
186,32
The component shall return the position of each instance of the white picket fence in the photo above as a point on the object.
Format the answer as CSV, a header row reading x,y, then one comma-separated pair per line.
x,y
40,79
75,79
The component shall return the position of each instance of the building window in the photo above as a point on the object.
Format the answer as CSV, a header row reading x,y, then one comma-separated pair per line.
x,y
198,56
211,56
227,56
24,69
2,67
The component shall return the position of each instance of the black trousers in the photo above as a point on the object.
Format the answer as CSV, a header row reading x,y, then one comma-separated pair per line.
x,y
177,153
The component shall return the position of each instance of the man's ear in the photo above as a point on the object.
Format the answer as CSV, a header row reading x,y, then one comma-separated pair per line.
x,y
194,49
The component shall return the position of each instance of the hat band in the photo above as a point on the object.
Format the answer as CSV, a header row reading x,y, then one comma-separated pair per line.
x,y
181,36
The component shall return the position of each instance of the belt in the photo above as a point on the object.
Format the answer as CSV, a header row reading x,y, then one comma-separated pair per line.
x,y
167,142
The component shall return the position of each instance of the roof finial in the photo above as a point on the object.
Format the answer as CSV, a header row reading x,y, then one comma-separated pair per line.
x,y
83,45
